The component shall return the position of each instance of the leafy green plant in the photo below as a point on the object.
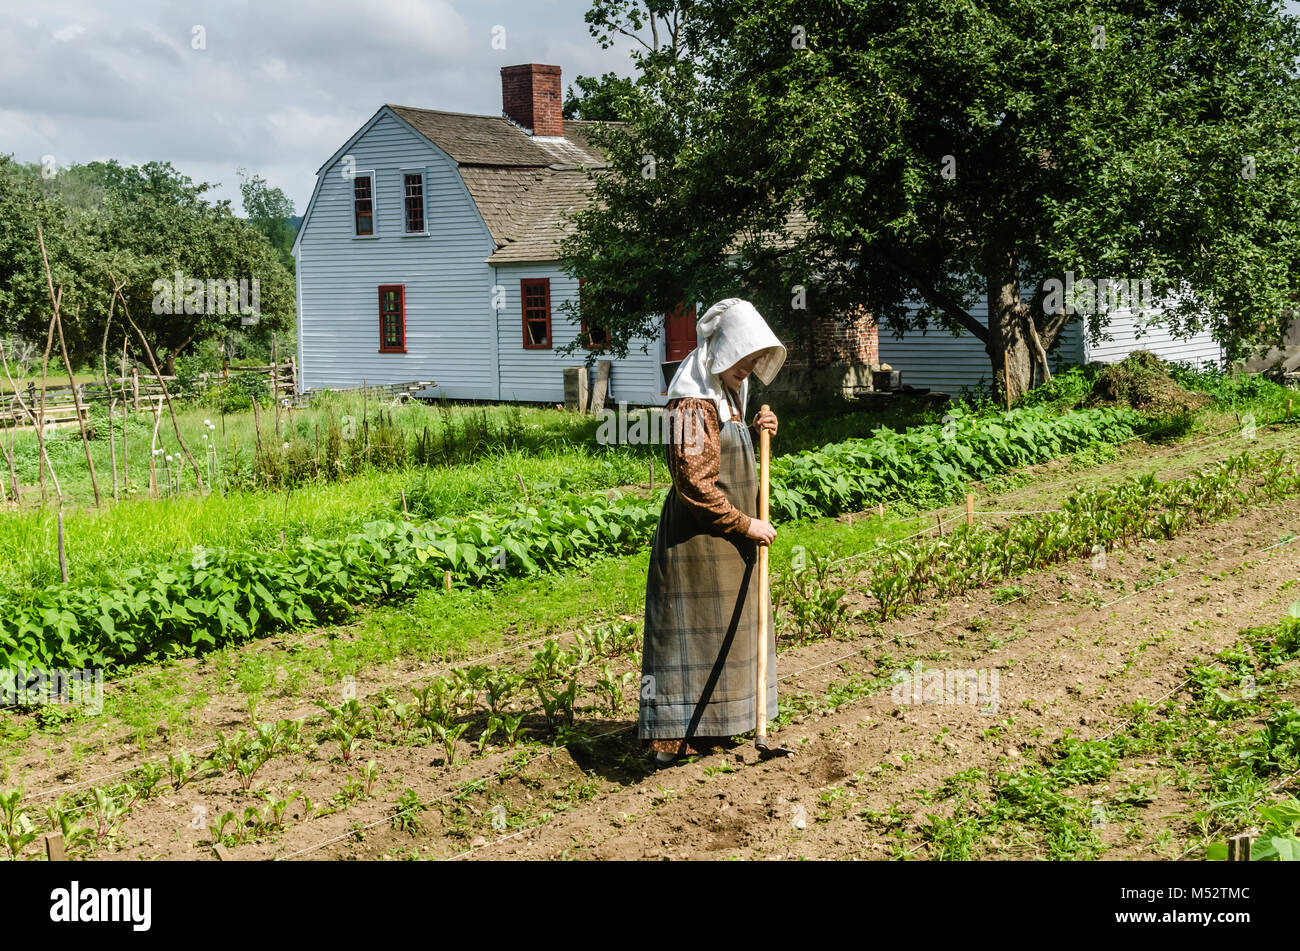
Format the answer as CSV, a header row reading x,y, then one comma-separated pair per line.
x,y
808,601
181,769
448,735
407,816
16,828
348,724
76,837
108,812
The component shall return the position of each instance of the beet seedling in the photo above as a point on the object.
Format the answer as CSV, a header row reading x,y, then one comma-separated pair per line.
x,y
448,735
75,835
108,814
368,775
510,723
347,726
181,769
493,724
546,662
16,829
613,685
500,685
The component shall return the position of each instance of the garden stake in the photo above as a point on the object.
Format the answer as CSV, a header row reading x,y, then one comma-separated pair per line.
x,y
760,706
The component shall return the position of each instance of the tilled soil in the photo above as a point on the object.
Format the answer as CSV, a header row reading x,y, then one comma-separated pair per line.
x,y
1064,668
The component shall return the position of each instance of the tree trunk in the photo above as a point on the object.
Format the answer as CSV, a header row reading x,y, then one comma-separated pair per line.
x,y
1008,346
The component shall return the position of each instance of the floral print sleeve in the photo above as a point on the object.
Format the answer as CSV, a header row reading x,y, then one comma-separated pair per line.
x,y
694,465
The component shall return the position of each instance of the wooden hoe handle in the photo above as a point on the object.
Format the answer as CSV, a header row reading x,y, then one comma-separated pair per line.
x,y
764,449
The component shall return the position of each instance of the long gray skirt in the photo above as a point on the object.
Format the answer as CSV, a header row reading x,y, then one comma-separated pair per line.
x,y
699,663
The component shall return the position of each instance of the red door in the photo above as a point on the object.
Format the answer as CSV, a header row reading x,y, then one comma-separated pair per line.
x,y
679,335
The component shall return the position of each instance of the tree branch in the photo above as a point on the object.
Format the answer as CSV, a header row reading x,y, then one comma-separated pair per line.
x,y
938,299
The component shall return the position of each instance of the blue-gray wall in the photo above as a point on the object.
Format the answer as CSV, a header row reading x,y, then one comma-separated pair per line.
x,y
939,361
538,375
454,336
447,279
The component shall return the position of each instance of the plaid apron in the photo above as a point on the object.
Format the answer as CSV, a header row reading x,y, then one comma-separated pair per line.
x,y
699,665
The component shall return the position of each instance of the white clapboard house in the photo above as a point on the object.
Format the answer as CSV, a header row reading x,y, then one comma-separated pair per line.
x,y
428,252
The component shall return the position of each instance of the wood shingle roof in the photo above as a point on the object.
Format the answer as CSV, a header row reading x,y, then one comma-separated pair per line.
x,y
520,183
523,184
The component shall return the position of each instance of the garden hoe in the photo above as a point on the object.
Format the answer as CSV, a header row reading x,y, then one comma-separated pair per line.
x,y
760,731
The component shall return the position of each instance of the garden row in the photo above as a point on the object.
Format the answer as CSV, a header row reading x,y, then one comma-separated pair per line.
x,y
1232,736
221,596
1089,523
934,462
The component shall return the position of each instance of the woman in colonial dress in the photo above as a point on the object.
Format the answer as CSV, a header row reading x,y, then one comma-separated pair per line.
x,y
699,660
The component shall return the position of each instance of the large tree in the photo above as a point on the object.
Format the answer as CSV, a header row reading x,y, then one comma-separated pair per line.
x,y
138,226
270,211
946,150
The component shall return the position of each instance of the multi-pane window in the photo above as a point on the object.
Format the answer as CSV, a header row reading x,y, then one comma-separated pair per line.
x,y
594,337
536,295
413,185
363,204
392,318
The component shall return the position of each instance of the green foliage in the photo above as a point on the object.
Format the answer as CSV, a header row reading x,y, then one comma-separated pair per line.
x,y
229,596
848,113
809,603
106,223
1067,389
1228,389
1138,507
933,462
598,98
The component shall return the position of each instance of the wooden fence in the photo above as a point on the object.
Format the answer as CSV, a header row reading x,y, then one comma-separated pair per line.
x,y
145,394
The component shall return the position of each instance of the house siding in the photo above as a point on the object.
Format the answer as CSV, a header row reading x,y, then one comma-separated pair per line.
x,y
534,375
447,281
1129,332
939,361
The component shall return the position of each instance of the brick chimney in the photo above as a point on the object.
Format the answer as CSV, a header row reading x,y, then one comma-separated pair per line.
x,y
530,95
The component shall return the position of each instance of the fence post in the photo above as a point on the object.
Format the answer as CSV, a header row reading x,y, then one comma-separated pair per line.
x,y
54,850
970,509
135,389
1239,848
275,381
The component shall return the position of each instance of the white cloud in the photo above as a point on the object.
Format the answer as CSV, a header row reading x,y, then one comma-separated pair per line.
x,y
278,88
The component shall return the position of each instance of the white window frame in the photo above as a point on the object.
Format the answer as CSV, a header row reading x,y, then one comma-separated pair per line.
x,y
374,202
424,195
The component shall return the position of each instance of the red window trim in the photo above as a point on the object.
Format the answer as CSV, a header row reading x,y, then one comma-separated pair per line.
x,y
544,282
356,212
586,338
401,289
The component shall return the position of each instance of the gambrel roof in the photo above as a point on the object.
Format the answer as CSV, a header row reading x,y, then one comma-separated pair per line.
x,y
521,183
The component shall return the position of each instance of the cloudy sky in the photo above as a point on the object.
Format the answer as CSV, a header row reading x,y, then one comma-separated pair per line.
x,y
279,86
